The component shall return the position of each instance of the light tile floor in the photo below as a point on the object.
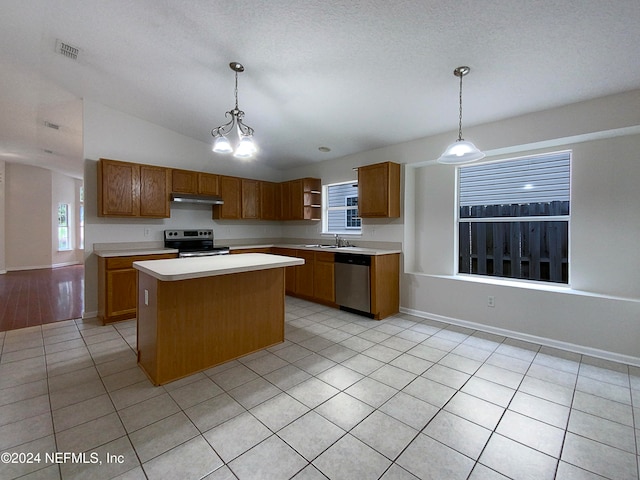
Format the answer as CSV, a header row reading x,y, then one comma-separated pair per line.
x,y
343,397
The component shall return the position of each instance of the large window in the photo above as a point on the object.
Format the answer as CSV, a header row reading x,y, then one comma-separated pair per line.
x,y
64,241
514,218
341,209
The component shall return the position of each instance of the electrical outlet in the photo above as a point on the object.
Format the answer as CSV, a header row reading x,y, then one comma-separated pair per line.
x,y
147,232
491,301
146,297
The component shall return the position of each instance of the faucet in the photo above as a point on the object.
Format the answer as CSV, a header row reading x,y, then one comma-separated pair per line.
x,y
337,240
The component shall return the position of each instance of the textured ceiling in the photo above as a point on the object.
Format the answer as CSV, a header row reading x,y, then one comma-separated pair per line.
x,y
351,75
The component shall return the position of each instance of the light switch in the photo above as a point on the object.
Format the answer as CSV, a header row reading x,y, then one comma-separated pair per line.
x,y
146,297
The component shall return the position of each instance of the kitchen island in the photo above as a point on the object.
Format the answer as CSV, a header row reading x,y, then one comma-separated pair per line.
x,y
195,313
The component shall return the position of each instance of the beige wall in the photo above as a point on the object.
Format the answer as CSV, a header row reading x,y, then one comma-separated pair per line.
x,y
28,217
29,234
3,261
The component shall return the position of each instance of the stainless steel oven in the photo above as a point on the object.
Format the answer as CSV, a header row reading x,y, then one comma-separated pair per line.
x,y
193,243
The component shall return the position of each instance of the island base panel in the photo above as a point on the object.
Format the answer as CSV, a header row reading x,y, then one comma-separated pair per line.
x,y
192,325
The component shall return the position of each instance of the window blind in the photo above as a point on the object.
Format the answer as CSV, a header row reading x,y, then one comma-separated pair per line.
x,y
544,178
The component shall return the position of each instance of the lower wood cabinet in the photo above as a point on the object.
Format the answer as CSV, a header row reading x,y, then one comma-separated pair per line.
x,y
289,272
251,250
118,286
324,277
315,280
304,273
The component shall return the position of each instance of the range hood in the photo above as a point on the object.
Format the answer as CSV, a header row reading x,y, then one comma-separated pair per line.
x,y
201,199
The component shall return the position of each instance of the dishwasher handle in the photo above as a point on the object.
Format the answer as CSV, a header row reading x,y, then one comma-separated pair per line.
x,y
353,259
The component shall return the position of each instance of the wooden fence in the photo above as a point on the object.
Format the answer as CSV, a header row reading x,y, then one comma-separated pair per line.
x,y
533,250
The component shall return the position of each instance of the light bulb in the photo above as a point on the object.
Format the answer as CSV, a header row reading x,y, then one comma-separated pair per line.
x,y
222,145
245,148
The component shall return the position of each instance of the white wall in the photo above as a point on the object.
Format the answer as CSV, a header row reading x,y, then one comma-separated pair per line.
x,y
28,217
30,209
3,261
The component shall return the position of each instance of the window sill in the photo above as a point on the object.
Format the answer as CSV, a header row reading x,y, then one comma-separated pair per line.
x,y
526,285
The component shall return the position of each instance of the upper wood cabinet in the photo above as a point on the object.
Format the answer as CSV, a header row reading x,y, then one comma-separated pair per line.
x,y
312,198
132,190
379,190
269,201
188,181
250,199
208,183
184,181
155,185
301,199
295,200
231,193
118,188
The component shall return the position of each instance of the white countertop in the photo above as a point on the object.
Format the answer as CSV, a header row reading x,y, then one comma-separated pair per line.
x,y
324,248
173,269
134,252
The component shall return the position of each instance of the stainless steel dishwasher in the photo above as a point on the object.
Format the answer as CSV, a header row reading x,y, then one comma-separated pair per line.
x,y
353,284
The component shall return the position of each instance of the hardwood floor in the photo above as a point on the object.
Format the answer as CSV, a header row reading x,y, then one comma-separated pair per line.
x,y
36,297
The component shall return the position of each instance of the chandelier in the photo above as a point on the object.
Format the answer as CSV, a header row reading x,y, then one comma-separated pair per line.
x,y
460,151
245,147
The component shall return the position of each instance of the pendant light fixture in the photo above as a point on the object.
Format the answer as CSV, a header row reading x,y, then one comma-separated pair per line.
x,y
245,147
460,151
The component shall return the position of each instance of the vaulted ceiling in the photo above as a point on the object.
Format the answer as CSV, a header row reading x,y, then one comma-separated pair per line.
x,y
349,75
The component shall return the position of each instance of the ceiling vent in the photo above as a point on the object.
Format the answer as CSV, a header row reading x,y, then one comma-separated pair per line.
x,y
51,125
67,50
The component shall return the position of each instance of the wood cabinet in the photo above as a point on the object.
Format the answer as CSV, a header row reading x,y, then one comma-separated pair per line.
x,y
301,199
304,273
289,272
208,183
250,199
128,189
324,277
269,201
118,189
133,190
188,181
251,250
231,193
184,181
284,190
297,200
312,198
117,286
385,285
379,190
155,186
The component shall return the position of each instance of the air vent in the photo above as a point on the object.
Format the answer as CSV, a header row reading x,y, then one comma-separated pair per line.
x,y
51,125
46,150
67,50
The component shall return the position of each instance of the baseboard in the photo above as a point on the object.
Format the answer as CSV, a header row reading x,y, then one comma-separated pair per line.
x,y
42,267
35,267
548,342
65,264
86,315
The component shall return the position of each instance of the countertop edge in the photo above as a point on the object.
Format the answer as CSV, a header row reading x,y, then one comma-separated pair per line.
x,y
209,271
134,252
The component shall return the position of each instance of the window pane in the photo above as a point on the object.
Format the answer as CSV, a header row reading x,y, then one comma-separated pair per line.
x,y
342,208
537,179
524,250
535,187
